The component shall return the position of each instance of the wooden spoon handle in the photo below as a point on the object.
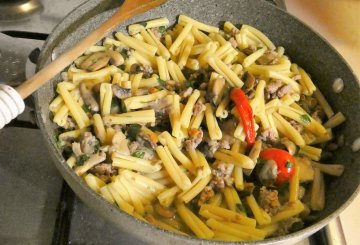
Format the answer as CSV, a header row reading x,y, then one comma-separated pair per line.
x,y
128,9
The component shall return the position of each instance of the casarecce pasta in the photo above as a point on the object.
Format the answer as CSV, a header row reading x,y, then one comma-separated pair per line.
x,y
198,130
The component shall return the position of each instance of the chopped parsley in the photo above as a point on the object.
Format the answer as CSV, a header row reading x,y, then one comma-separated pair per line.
x,y
162,29
82,159
86,108
241,207
59,143
289,165
189,83
305,118
133,131
124,53
161,82
139,154
122,67
144,24
97,145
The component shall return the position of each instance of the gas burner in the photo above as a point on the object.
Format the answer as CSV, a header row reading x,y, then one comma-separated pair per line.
x,y
18,9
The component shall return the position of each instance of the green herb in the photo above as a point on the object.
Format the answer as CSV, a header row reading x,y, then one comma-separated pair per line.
x,y
162,29
241,208
305,118
86,108
161,82
260,161
289,165
114,103
133,131
97,145
189,83
124,53
122,67
144,24
82,159
139,154
123,106
59,144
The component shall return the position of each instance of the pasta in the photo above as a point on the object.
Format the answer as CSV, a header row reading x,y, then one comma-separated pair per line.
x,y
176,130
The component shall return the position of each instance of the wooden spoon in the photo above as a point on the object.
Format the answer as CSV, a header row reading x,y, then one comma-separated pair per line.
x,y
128,9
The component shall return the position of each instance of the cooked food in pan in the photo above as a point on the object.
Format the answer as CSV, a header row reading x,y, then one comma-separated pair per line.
x,y
199,130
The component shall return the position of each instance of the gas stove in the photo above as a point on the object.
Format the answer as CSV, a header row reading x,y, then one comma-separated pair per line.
x,y
37,206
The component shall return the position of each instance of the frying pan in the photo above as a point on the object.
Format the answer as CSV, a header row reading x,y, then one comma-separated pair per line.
x,y
303,45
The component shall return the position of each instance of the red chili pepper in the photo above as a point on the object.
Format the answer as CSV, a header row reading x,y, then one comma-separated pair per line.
x,y
284,162
246,113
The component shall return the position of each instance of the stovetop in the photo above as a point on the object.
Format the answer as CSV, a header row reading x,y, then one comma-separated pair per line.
x,y
37,206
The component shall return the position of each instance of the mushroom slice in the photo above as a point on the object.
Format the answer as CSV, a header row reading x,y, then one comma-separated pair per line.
x,y
268,173
121,93
93,61
116,58
91,162
88,98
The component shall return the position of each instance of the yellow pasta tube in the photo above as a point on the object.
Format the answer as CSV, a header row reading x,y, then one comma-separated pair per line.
x,y
143,58
242,234
287,129
212,124
99,128
167,197
135,82
312,152
292,210
176,174
235,158
188,109
105,98
136,44
253,57
120,201
294,185
222,236
168,41
137,102
56,104
232,198
198,25
136,28
260,215
323,103
335,120
105,193
277,75
221,109
175,71
176,44
144,116
226,215
94,182
100,74
77,112
162,50
199,36
307,81
221,68
260,35
185,52
188,195
162,68
194,223
167,140
134,163
61,116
